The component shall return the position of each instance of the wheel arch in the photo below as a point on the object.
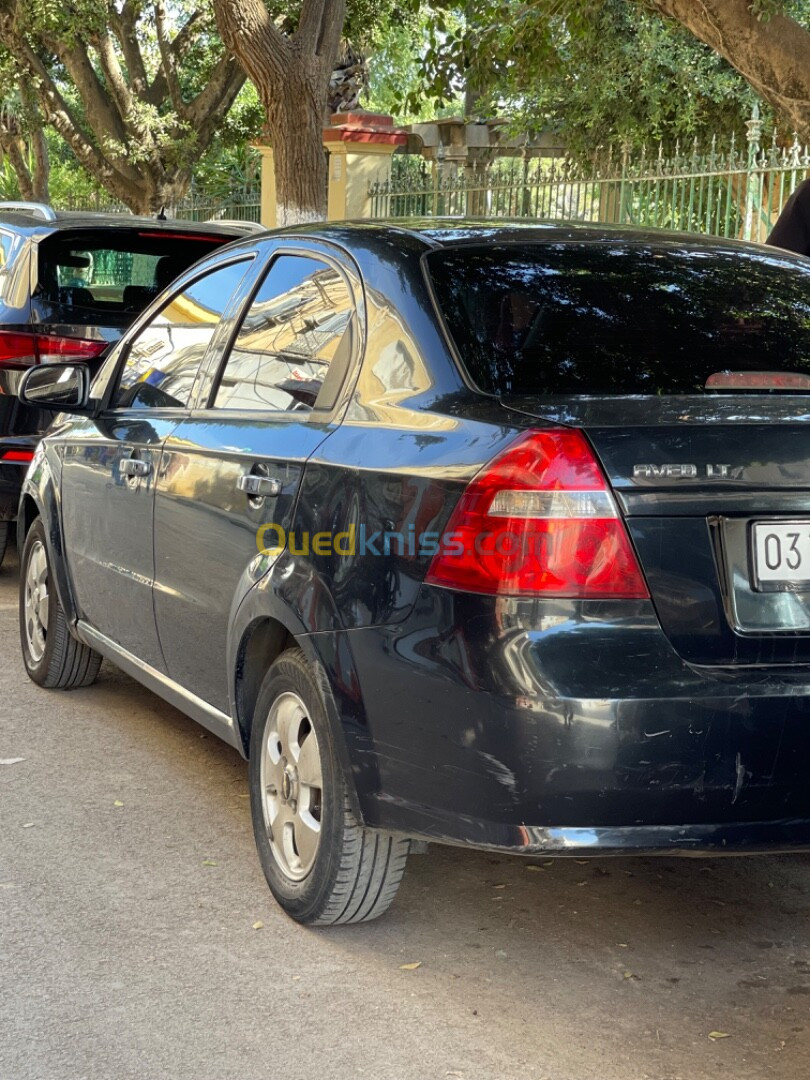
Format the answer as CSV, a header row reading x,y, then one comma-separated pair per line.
x,y
263,628
38,499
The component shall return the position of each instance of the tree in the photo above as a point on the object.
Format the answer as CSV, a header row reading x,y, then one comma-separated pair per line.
x,y
23,142
291,71
766,41
136,89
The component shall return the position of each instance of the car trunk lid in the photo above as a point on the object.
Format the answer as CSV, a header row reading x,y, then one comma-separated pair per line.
x,y
703,482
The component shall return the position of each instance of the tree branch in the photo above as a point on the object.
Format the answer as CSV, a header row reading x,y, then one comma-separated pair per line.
x,y
10,143
39,144
100,109
124,27
309,24
168,60
57,113
183,37
772,54
331,28
248,32
224,83
113,74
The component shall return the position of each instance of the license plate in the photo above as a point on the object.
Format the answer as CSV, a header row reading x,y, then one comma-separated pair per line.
x,y
781,554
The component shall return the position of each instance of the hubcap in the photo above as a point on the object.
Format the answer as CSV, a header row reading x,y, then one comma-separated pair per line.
x,y
292,786
36,601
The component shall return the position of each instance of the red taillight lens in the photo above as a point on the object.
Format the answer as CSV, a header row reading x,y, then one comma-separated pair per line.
x,y
17,455
539,520
25,350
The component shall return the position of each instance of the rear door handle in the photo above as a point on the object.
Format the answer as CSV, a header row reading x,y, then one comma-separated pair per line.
x,y
259,486
135,467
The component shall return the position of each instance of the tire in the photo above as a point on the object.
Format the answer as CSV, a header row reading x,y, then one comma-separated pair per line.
x,y
353,873
53,657
5,534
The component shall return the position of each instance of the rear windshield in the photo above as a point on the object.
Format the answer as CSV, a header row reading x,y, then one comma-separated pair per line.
x,y
629,319
111,275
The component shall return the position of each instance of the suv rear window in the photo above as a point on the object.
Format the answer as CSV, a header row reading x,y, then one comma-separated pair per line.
x,y
620,318
111,275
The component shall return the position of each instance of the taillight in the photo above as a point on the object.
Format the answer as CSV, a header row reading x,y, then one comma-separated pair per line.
x,y
539,520
24,350
17,455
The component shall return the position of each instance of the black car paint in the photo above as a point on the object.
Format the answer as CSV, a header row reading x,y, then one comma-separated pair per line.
x,y
530,724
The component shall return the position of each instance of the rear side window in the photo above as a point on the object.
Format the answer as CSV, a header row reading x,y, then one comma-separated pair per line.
x,y
620,318
292,332
165,355
110,276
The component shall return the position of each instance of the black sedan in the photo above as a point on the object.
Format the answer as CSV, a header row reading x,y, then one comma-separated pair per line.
x,y
490,535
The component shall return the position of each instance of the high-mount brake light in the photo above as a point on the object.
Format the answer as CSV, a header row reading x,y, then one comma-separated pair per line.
x,y
787,381
539,520
208,239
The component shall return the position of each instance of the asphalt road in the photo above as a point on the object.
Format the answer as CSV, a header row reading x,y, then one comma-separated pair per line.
x,y
127,947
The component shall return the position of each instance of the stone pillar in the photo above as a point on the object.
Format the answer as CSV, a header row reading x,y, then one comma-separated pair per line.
x,y
360,147
269,208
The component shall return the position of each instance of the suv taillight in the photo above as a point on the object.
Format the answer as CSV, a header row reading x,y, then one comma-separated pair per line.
x,y
20,350
539,520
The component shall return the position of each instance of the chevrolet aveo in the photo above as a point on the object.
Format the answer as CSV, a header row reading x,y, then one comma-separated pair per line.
x,y
489,535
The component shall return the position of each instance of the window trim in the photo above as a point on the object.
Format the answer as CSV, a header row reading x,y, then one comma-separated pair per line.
x,y
145,318
316,413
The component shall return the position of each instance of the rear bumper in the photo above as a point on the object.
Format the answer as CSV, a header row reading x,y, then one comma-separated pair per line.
x,y
573,727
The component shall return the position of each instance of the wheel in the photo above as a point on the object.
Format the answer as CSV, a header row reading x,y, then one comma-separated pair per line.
x,y
52,656
322,867
5,533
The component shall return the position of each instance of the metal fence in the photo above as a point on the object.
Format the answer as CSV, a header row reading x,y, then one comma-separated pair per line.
x,y
732,190
240,204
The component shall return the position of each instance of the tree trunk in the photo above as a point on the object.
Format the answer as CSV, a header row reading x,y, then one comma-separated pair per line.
x,y
13,149
773,54
291,73
296,132
42,167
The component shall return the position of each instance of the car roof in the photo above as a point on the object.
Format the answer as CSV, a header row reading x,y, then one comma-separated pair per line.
x,y
38,222
434,233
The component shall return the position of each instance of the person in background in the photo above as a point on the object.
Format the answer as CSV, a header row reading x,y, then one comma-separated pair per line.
x,y
792,228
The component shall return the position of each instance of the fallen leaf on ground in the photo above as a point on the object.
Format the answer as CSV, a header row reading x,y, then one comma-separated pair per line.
x,y
533,866
258,924
118,803
11,760
582,883
498,886
28,825
410,967
629,975
208,862
714,1035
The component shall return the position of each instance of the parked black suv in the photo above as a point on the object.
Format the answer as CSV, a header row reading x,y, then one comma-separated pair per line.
x,y
71,283
493,535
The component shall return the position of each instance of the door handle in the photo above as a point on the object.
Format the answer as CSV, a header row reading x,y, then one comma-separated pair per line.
x,y
259,486
135,467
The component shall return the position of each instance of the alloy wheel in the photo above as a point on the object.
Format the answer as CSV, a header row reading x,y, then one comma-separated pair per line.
x,y
36,601
291,786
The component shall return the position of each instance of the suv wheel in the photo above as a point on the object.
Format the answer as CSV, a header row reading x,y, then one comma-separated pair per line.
x,y
53,657
321,865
